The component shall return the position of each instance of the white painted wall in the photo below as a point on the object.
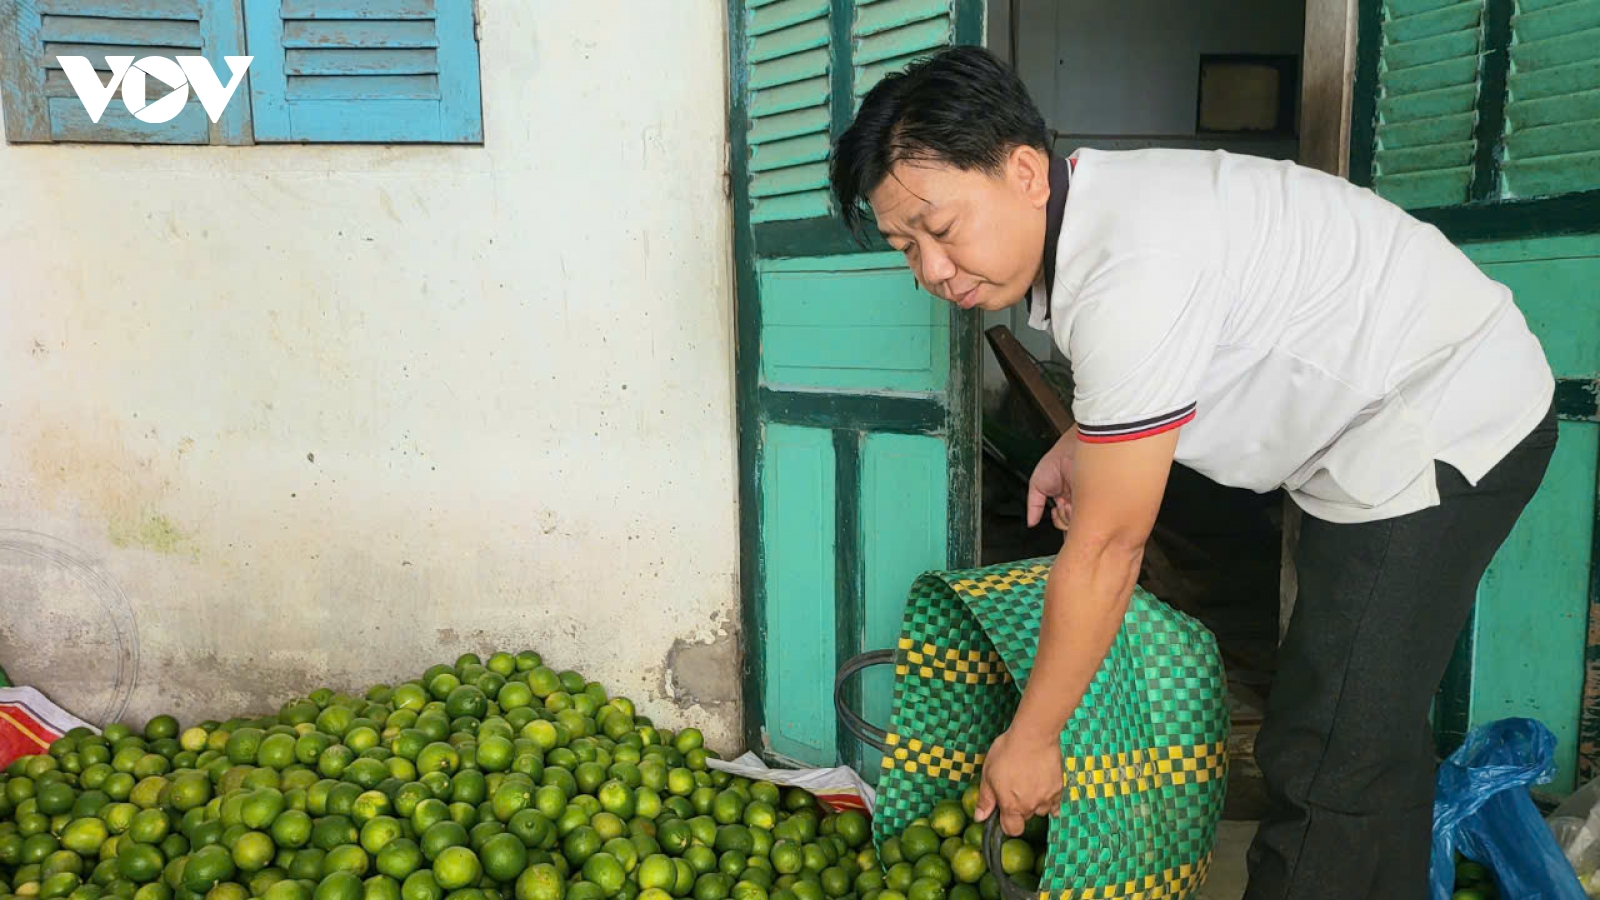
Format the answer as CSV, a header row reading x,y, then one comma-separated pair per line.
x,y
287,416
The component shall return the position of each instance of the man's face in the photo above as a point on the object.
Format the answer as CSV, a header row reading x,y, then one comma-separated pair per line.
x,y
972,238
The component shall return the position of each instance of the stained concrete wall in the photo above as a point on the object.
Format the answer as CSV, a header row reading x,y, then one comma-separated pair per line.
x,y
279,417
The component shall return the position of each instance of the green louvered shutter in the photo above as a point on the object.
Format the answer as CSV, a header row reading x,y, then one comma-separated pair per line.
x,y
790,62
1428,84
890,34
858,401
1552,140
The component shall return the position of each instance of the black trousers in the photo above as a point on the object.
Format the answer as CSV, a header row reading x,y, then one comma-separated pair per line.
x,y
1345,748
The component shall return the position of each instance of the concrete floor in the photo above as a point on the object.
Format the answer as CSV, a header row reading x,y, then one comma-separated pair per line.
x,y
1227,878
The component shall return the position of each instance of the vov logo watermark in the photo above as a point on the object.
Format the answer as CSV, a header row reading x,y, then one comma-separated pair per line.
x,y
179,76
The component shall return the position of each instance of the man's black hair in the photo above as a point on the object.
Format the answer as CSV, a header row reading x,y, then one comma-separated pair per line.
x,y
962,107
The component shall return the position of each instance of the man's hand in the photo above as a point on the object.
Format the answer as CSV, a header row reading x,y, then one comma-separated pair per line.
x,y
1052,480
1021,778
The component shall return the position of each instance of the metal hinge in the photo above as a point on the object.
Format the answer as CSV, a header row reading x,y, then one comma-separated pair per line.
x,y
727,169
477,21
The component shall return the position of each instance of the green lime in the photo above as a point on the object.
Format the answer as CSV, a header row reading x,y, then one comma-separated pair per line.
x,y
456,867
399,858
206,867
291,829
347,858
139,863
339,885
253,851
440,837
540,882
504,857
288,889
84,836
968,866
1016,856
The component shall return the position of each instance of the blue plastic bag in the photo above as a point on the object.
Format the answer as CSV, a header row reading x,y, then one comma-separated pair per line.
x,y
1483,809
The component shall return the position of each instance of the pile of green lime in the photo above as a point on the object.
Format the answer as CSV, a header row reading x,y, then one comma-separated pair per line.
x,y
1474,881
482,780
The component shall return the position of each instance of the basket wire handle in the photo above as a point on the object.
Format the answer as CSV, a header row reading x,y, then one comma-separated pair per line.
x,y
860,728
993,838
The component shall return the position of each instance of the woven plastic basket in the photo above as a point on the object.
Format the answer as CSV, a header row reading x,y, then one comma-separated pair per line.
x,y
1144,756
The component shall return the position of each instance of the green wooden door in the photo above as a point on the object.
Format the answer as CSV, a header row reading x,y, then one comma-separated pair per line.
x,y
1483,117
857,393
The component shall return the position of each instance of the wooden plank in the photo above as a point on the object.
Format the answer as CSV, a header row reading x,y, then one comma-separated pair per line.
x,y
789,69
357,9
1424,132
1557,20
1425,189
1424,159
798,480
794,151
910,40
1449,73
1552,175
1025,376
1554,110
1447,20
121,32
788,125
888,15
792,180
883,413
1576,78
812,204
785,13
904,519
790,97
1555,139
69,121
364,34
97,53
361,62
790,41
1557,51
387,121
1400,8
1429,104
1421,53
26,109
460,79
122,9
364,87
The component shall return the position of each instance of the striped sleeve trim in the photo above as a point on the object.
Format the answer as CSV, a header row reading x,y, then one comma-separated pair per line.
x,y
1132,431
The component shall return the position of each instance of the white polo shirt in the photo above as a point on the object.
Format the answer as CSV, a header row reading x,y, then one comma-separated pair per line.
x,y
1303,332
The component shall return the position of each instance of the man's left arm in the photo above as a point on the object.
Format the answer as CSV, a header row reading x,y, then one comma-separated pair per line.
x,y
1116,493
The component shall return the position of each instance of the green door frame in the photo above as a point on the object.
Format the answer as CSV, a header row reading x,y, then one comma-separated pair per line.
x,y
848,415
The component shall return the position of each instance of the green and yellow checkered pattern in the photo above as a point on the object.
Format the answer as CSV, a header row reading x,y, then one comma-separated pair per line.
x,y
1144,761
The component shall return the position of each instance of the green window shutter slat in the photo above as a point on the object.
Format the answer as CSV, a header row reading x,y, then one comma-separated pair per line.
x,y
1552,127
888,35
788,92
41,104
792,152
1427,101
1441,130
362,71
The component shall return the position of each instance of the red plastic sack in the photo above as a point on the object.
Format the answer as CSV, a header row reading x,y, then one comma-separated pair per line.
x,y
30,723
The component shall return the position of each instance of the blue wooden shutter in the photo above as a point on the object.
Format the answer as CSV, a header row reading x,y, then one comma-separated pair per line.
x,y
1428,101
1552,141
890,34
365,70
789,91
40,103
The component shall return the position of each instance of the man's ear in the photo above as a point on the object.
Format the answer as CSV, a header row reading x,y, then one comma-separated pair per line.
x,y
1030,172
